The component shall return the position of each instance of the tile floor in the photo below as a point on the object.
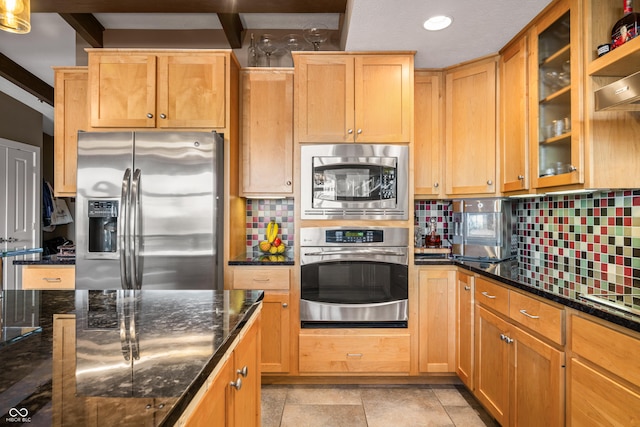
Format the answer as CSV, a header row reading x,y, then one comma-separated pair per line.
x,y
371,406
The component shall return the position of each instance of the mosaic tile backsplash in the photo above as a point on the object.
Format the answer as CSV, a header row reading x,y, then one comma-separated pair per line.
x,y
260,212
567,244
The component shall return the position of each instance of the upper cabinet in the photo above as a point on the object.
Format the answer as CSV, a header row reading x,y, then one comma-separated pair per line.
x,y
514,138
428,131
71,115
363,98
471,129
555,93
267,131
156,89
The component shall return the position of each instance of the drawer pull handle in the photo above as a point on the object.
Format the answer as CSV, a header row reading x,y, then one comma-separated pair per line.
x,y
354,354
467,288
52,279
529,315
262,280
488,296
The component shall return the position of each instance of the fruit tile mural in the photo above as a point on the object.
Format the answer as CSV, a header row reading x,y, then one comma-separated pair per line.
x,y
581,243
261,211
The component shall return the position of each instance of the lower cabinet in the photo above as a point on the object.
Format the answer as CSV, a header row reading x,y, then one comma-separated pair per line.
x,y
519,377
465,284
232,393
603,375
48,277
437,320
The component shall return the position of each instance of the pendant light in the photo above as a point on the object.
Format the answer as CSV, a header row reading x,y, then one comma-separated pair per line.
x,y
15,16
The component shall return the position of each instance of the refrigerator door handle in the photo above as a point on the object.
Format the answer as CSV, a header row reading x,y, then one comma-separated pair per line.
x,y
134,231
123,228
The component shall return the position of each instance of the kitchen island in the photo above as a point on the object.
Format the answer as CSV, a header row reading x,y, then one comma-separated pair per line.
x,y
116,357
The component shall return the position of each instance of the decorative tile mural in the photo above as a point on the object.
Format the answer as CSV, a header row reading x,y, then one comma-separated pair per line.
x,y
441,210
581,243
260,212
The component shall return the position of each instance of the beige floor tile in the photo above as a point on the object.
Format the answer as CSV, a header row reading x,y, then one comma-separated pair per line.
x,y
273,400
450,396
323,416
322,395
465,416
406,407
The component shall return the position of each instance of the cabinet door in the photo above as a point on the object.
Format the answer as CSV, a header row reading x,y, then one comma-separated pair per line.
x,y
215,406
267,132
464,326
428,133
437,308
383,98
68,408
276,350
71,115
246,399
513,118
471,130
492,364
536,381
324,98
122,90
191,91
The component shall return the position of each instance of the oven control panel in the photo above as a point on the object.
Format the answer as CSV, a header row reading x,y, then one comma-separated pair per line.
x,y
354,236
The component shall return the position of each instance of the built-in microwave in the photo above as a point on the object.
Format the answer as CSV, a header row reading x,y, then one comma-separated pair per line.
x,y
483,229
354,181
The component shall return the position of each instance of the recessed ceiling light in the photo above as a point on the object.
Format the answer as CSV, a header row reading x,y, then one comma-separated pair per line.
x,y
436,23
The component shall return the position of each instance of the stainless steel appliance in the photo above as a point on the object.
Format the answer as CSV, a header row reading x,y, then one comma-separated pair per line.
x,y
354,277
483,229
354,181
149,210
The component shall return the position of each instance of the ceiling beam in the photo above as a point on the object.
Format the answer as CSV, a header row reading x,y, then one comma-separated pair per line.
x,y
25,80
188,6
87,27
232,26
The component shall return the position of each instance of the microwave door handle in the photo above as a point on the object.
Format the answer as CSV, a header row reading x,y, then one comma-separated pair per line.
x,y
123,228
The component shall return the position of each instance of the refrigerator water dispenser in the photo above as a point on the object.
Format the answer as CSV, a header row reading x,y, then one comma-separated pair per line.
x,y
103,225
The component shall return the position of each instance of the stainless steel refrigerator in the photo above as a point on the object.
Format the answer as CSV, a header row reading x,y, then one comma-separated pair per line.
x,y
149,210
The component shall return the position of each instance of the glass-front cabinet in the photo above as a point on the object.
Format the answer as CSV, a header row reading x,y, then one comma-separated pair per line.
x,y
556,153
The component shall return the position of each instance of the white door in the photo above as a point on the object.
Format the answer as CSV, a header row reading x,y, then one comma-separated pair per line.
x,y
20,203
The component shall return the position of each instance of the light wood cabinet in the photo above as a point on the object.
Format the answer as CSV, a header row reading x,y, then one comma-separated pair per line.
x,y
437,320
465,335
519,372
363,98
231,395
603,377
471,129
267,132
48,277
70,115
514,125
157,89
276,349
428,163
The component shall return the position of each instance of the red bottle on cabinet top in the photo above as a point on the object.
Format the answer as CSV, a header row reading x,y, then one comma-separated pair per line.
x,y
627,27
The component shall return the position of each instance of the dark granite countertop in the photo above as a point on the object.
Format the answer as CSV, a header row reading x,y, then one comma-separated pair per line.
x,y
46,260
509,272
170,343
256,257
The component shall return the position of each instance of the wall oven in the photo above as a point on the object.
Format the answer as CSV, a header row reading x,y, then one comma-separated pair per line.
x,y
354,277
354,181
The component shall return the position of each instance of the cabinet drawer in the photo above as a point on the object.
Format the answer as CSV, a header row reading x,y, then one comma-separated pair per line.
x,y
537,315
48,277
612,350
354,353
493,296
261,278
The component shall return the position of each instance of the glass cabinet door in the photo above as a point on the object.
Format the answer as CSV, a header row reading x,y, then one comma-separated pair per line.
x,y
556,156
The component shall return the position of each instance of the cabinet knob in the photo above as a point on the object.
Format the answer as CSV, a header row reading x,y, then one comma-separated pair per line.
x,y
288,182
163,116
359,131
572,168
237,384
467,288
520,177
436,185
350,131
489,182
149,116
285,305
244,371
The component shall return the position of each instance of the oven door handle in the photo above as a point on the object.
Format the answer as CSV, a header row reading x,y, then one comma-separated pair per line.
x,y
358,252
